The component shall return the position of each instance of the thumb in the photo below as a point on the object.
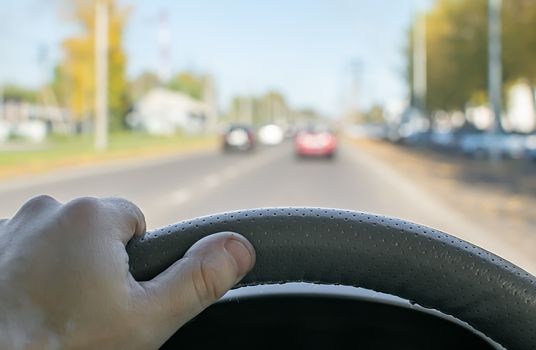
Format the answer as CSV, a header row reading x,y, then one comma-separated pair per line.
x,y
207,271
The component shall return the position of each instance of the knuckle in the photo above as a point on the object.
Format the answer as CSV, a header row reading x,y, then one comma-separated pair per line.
x,y
128,210
121,202
37,204
82,206
40,200
123,206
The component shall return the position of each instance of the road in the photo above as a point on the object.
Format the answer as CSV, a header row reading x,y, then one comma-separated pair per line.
x,y
180,187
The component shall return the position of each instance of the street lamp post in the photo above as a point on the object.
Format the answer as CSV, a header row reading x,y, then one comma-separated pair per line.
x,y
357,75
495,70
419,63
101,75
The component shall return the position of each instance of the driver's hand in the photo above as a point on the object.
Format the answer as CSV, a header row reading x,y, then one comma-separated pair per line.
x,y
65,283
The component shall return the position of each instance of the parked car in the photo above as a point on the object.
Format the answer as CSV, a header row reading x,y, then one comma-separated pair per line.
x,y
507,145
443,140
316,142
239,138
530,147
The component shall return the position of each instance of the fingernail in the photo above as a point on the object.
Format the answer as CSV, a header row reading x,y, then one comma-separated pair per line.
x,y
241,254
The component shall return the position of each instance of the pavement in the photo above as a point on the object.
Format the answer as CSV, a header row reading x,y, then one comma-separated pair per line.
x,y
173,188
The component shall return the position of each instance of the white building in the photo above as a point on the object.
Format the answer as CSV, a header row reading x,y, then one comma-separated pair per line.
x,y
521,111
164,112
32,121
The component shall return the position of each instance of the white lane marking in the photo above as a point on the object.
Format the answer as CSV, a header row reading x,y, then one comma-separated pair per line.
x,y
181,196
231,172
211,181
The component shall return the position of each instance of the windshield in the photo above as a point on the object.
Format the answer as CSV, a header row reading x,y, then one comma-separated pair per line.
x,y
422,110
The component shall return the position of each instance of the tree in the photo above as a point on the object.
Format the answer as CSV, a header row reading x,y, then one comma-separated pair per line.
x,y
18,93
456,53
190,83
519,44
268,108
375,115
457,50
142,84
76,73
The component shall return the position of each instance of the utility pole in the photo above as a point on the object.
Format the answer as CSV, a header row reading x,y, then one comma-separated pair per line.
x,y
2,104
101,75
270,108
245,109
211,104
240,115
495,71
164,47
357,70
419,63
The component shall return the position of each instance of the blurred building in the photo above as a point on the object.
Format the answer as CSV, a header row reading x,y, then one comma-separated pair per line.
x,y
32,121
165,112
519,116
521,109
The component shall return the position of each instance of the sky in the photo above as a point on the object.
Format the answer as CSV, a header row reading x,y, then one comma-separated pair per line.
x,y
304,48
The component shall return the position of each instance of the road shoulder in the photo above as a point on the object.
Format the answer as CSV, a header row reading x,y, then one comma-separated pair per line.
x,y
100,167
431,182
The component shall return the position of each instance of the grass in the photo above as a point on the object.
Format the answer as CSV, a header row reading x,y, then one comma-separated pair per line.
x,y
67,151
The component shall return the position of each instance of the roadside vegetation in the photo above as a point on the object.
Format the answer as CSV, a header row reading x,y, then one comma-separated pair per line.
x,y
63,151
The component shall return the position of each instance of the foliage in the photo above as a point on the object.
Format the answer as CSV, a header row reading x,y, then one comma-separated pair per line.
x,y
190,83
63,151
75,76
375,115
17,93
519,44
187,82
142,84
258,110
457,50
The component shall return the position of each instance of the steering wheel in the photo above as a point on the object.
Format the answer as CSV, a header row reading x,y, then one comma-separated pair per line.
x,y
330,246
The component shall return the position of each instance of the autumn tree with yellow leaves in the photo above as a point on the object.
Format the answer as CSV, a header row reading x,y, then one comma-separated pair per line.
x,y
75,76
457,50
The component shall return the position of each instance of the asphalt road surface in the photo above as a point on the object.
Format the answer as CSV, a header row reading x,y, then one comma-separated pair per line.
x,y
181,187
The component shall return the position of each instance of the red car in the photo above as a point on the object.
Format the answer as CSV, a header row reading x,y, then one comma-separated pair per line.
x,y
316,143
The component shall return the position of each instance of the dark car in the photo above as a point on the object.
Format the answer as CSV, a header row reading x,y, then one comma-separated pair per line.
x,y
239,138
507,145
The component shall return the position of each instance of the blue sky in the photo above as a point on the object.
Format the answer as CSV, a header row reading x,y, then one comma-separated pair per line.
x,y
303,48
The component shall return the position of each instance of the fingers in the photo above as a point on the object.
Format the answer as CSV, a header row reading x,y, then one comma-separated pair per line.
x,y
36,206
209,269
127,214
107,215
111,215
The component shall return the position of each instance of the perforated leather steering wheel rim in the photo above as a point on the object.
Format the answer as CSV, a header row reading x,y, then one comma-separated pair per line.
x,y
332,246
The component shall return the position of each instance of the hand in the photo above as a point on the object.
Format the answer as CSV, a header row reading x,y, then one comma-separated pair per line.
x,y
65,283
